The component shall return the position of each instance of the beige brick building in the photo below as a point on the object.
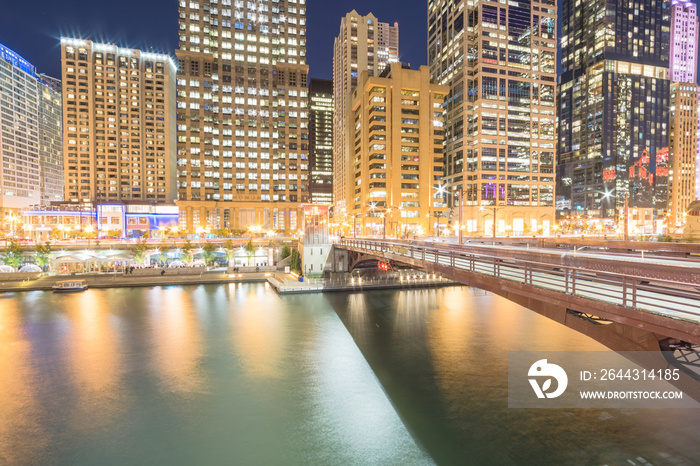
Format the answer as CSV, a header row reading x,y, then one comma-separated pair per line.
x,y
242,114
396,123
119,123
682,151
363,44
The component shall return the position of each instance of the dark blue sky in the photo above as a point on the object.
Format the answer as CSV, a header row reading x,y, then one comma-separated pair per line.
x,y
33,29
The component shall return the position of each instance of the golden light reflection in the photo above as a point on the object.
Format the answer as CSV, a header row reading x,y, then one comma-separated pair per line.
x,y
94,360
259,331
22,436
461,341
178,343
411,306
357,310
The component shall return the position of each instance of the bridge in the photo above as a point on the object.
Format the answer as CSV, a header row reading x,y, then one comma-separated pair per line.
x,y
655,301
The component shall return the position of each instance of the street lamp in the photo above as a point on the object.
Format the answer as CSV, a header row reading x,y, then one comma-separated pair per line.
x,y
384,228
608,194
88,231
12,219
494,210
390,210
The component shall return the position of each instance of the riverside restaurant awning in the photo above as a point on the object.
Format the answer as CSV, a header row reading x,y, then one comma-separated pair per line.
x,y
88,262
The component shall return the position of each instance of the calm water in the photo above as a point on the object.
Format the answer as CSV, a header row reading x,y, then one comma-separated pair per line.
x,y
235,374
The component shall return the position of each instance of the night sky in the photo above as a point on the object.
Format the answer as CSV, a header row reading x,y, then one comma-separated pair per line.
x,y
33,29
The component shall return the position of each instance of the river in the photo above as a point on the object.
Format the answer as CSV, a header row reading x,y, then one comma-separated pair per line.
x,y
235,374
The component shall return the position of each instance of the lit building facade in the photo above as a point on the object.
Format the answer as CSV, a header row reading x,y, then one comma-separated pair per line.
x,y
613,109
683,61
499,61
682,151
321,141
363,44
397,124
683,56
118,219
51,140
243,156
30,137
119,123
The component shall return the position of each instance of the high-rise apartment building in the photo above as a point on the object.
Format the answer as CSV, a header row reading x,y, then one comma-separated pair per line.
x,y
51,140
387,44
397,125
682,151
242,114
683,61
613,109
321,141
363,44
119,123
683,56
30,136
499,60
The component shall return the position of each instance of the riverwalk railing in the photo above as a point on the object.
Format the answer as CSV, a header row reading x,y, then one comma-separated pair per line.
x,y
665,287
406,280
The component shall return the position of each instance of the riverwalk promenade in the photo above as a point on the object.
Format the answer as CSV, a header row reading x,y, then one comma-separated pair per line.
x,y
140,277
283,283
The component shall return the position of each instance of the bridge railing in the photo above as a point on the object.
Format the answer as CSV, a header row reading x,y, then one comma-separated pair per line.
x,y
635,291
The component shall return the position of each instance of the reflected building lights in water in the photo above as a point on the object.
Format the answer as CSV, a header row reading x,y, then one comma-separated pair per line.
x,y
94,359
258,329
357,309
177,339
22,435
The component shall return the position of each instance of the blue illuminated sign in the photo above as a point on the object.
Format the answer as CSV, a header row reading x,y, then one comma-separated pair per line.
x,y
15,59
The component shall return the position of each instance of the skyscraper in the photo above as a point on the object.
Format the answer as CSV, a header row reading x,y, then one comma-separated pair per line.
x,y
51,140
499,60
119,134
613,109
321,141
684,151
683,57
30,136
362,44
242,114
398,160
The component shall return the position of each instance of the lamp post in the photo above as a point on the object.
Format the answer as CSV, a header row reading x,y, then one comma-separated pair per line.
x,y
608,194
384,228
494,210
627,217
459,209
88,231
12,219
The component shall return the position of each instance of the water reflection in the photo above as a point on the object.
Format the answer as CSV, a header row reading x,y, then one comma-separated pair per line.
x,y
21,431
257,322
177,339
212,374
94,360
441,355
191,375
